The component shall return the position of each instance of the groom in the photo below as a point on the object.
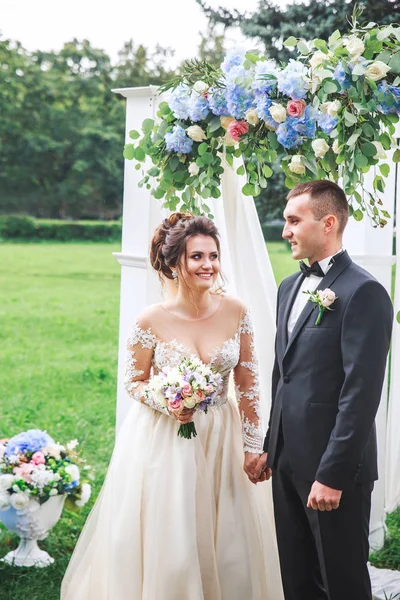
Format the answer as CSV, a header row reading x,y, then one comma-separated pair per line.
x,y
320,445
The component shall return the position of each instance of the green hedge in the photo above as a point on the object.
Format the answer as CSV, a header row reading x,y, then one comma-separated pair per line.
x,y
272,231
28,228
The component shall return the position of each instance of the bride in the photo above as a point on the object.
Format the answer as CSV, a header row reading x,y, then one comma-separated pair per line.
x,y
179,519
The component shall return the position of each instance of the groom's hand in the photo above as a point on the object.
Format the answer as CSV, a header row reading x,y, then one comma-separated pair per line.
x,y
323,497
260,472
250,465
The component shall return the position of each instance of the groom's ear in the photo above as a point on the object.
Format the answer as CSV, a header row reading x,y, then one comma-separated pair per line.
x,y
330,224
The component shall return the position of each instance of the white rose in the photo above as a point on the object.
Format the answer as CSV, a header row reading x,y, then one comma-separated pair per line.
x,y
53,451
189,402
196,133
5,501
296,165
331,108
200,87
193,169
19,500
16,488
252,116
355,47
53,492
335,147
278,112
73,472
377,70
57,476
380,152
320,147
317,59
6,482
85,495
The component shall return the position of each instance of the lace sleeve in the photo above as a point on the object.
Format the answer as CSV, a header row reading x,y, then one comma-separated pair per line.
x,y
140,350
247,389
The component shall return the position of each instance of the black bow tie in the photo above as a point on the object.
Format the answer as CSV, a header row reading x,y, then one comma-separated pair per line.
x,y
314,269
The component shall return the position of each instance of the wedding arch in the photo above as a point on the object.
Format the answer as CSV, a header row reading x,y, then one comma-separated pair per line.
x,y
192,156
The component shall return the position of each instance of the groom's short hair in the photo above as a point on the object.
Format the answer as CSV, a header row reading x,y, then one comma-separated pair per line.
x,y
326,198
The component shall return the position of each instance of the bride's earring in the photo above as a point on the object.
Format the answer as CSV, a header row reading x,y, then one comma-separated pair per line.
x,y
175,277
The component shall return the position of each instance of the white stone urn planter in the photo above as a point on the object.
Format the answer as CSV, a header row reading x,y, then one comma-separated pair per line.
x,y
31,524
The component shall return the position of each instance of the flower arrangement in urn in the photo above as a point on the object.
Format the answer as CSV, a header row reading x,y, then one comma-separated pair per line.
x,y
37,474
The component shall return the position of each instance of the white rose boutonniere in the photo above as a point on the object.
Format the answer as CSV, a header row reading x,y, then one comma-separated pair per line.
x,y
323,299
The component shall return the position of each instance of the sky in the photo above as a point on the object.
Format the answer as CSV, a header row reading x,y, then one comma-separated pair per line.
x,y
47,24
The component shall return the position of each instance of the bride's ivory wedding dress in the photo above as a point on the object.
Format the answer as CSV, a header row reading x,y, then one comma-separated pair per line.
x,y
178,519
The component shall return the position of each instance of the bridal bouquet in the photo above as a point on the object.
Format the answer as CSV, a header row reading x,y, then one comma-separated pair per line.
x,y
191,384
34,467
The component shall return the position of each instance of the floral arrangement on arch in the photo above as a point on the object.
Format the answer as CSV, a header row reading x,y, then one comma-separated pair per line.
x,y
34,468
328,114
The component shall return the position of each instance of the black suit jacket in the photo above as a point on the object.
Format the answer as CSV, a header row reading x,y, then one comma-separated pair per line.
x,y
327,379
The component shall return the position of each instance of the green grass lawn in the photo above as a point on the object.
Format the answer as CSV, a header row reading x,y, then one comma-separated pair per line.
x,y
59,306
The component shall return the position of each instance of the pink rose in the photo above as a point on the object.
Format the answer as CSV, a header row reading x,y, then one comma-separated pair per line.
x,y
295,108
237,129
175,404
208,389
327,297
24,471
187,390
200,394
38,458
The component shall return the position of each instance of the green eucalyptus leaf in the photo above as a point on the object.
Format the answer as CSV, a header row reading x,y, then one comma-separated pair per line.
x,y
241,170
290,42
358,215
350,118
384,169
268,172
248,190
147,125
302,47
129,151
368,149
134,135
396,156
361,160
140,154
394,63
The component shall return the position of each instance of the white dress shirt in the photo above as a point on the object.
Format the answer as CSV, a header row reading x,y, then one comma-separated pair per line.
x,y
308,285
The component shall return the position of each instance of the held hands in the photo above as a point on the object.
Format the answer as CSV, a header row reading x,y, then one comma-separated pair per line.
x,y
255,467
323,497
182,415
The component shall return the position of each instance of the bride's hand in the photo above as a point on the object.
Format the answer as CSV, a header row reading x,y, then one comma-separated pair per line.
x,y
182,415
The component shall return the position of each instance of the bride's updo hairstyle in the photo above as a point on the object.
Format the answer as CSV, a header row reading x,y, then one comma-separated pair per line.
x,y
168,246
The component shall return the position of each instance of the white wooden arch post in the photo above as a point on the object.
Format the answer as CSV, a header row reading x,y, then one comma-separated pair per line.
x,y
372,248
141,214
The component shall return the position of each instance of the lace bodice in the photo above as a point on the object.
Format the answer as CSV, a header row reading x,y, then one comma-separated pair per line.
x,y
151,347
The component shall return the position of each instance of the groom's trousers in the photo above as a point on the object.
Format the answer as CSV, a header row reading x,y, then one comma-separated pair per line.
x,y
323,555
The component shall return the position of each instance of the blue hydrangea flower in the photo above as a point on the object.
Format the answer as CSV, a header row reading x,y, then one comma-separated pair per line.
x,y
239,95
217,102
384,107
177,141
234,58
341,76
327,123
261,85
291,132
179,101
292,81
263,103
198,107
287,136
32,440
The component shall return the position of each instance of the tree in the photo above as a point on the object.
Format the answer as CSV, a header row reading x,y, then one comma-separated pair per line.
x,y
314,19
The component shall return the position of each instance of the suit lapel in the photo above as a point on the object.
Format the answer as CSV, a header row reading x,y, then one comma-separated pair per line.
x,y
340,264
282,331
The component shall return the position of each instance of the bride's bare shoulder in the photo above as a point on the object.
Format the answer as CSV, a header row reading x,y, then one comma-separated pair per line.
x,y
149,317
234,306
